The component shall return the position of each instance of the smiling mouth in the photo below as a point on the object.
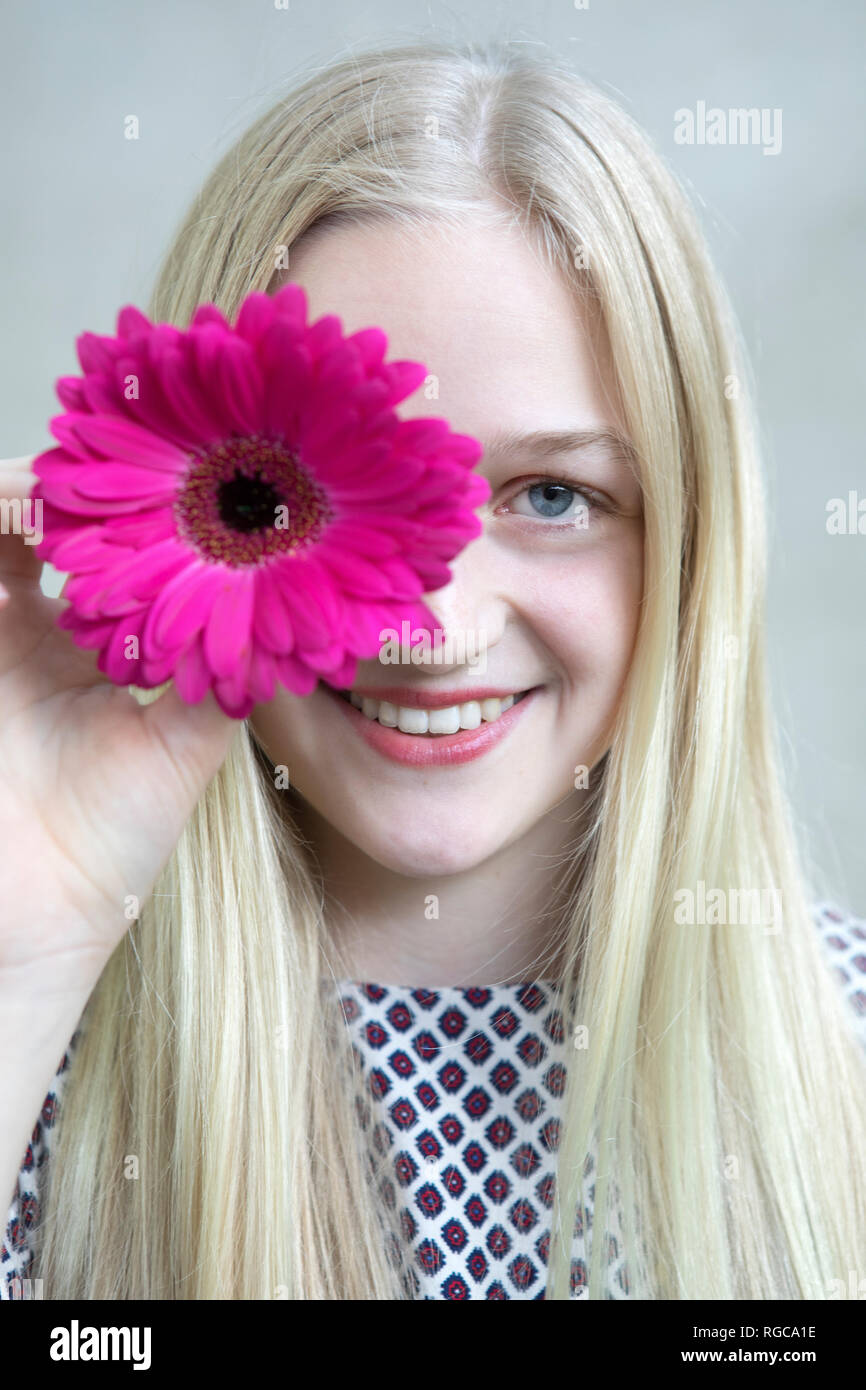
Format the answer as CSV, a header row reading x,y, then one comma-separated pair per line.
x,y
451,720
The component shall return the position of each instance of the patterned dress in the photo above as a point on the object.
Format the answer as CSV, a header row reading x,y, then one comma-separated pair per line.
x,y
463,1088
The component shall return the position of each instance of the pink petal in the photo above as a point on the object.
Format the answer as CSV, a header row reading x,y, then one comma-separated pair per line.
x,y
183,607
444,537
192,675
157,667
372,345
132,323
359,538
204,346
343,676
70,392
437,483
141,528
150,408
86,634
114,481
328,658
239,382
328,439
327,431
228,633
422,435
388,489
271,624
57,525
101,396
430,573
262,675
59,479
371,399
232,690
402,578
63,429
120,667
341,370
87,548
177,377
84,591
364,623
308,594
121,439
96,353
286,373
290,303
323,335
419,615
404,378
356,575
361,456
142,576
296,675
209,313
464,448
256,313
477,490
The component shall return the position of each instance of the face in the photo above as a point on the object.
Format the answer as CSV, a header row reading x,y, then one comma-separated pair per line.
x,y
550,591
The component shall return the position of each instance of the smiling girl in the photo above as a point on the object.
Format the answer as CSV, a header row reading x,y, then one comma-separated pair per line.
x,y
409,1008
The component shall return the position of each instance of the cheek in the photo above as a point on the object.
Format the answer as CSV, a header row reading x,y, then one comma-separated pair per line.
x,y
277,726
585,609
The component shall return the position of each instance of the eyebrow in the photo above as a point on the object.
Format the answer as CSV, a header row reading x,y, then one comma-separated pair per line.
x,y
550,443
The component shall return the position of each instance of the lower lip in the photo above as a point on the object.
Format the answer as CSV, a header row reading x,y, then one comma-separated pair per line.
x,y
439,750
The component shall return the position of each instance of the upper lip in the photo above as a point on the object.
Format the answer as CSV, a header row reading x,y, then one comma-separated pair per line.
x,y
431,699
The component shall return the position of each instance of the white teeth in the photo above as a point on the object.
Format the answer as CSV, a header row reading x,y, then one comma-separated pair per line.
x,y
411,721
444,721
469,715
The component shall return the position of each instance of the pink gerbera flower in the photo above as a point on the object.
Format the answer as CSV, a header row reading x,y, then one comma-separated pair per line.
x,y
240,505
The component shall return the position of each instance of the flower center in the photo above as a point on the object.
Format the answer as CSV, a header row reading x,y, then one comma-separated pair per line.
x,y
245,499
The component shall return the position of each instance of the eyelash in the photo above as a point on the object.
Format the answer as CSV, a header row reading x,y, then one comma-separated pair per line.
x,y
595,500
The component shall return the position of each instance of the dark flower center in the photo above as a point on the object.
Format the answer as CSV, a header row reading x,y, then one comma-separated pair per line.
x,y
247,503
249,498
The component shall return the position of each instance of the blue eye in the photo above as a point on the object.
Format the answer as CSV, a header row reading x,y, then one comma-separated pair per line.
x,y
554,499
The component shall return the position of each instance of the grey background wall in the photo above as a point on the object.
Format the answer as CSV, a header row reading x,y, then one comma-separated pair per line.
x,y
87,215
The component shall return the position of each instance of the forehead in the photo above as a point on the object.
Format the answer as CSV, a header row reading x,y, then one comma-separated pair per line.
x,y
504,336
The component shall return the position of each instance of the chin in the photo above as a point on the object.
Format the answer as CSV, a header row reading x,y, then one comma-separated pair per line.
x,y
421,856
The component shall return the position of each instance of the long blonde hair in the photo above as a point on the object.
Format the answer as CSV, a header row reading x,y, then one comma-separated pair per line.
x,y
721,1076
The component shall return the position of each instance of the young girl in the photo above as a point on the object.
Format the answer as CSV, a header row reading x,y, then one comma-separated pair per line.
x,y
476,981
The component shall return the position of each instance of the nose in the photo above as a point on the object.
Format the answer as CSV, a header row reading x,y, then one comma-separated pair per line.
x,y
470,610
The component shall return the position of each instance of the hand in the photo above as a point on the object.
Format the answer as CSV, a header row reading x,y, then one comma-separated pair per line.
x,y
95,788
